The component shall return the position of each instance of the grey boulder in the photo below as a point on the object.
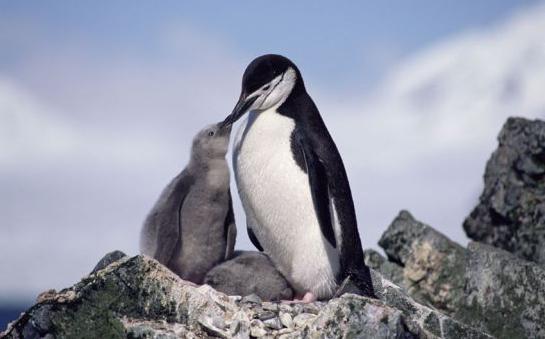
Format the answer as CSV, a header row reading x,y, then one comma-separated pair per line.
x,y
511,209
481,286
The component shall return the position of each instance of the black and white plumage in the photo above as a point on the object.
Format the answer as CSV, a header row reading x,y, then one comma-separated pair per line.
x,y
191,228
293,184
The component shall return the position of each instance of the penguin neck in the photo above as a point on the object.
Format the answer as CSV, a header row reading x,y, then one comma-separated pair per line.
x,y
213,172
200,163
298,105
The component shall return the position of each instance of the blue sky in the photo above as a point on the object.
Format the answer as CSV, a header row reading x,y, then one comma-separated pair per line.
x,y
350,43
99,102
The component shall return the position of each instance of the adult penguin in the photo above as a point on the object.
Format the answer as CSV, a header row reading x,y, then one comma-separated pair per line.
x,y
293,184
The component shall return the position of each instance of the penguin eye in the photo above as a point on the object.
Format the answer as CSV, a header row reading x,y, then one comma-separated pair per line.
x,y
266,87
211,133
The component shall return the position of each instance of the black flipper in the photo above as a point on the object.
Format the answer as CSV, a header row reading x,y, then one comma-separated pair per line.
x,y
327,179
317,177
166,213
254,240
230,231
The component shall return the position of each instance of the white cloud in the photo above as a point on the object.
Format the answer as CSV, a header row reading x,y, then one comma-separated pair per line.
x,y
422,139
25,130
456,95
79,173
66,193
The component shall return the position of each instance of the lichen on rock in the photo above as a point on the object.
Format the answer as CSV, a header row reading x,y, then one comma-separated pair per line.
x,y
140,298
482,286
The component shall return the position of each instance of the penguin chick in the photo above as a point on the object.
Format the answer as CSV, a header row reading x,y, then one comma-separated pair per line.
x,y
248,273
191,228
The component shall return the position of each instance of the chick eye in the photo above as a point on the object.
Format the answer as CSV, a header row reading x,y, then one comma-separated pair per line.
x,y
211,133
266,87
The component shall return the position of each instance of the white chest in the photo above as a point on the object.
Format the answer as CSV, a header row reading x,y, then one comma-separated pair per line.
x,y
278,203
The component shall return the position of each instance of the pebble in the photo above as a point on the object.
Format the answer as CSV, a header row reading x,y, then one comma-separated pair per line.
x,y
286,319
257,329
301,319
235,298
266,315
44,296
273,323
234,327
298,308
269,306
214,326
285,334
284,307
251,299
311,308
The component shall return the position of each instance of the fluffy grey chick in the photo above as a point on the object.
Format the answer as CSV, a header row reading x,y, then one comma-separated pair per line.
x,y
250,273
191,228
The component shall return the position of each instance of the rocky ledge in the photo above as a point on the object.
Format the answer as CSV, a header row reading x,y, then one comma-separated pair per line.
x,y
482,286
140,298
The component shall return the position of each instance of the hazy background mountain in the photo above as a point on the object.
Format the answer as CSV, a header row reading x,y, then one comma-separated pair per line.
x,y
98,106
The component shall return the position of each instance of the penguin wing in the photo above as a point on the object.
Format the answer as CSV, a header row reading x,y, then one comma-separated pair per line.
x,y
165,219
333,201
319,184
230,230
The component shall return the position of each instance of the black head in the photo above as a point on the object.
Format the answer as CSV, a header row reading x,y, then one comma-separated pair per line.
x,y
267,81
262,70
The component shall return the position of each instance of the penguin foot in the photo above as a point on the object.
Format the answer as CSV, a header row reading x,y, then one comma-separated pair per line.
x,y
308,297
350,286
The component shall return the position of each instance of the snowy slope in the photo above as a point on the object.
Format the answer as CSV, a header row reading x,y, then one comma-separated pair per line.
x,y
457,94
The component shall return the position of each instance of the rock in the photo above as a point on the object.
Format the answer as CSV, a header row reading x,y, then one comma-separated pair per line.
x,y
482,286
46,295
302,319
389,270
157,329
273,323
424,321
104,304
266,315
433,266
140,298
503,292
286,320
249,272
251,299
358,318
511,210
355,316
257,329
108,259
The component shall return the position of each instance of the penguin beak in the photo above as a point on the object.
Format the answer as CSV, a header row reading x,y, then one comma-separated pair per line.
x,y
242,106
223,130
